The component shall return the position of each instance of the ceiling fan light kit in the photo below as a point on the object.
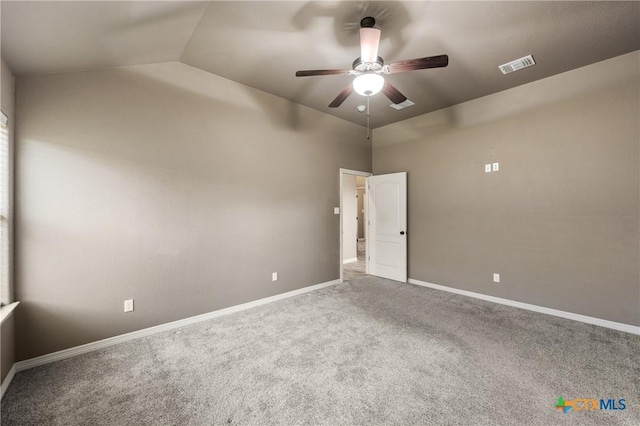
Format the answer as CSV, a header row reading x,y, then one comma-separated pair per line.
x,y
368,84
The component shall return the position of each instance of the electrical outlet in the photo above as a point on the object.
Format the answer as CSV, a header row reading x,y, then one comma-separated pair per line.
x,y
495,167
128,305
496,278
336,210
274,276
487,168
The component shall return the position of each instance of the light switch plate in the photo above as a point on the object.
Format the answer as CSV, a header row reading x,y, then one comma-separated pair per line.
x,y
336,210
487,168
496,167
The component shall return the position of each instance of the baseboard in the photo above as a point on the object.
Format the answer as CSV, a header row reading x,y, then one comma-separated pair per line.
x,y
541,309
353,259
7,380
100,344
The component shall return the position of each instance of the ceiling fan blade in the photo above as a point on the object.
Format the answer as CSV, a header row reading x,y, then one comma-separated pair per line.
x,y
392,93
341,97
418,64
369,43
309,73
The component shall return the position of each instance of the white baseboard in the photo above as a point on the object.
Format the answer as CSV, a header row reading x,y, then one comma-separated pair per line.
x,y
549,311
353,259
100,344
7,380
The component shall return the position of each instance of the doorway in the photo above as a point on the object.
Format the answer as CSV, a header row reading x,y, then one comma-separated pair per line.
x,y
353,250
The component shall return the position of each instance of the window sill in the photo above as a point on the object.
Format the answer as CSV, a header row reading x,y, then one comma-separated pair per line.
x,y
6,311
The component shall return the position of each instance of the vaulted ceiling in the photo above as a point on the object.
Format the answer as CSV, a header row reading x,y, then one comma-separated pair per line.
x,y
262,44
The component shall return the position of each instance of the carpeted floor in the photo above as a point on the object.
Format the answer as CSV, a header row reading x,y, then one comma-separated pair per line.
x,y
365,352
356,270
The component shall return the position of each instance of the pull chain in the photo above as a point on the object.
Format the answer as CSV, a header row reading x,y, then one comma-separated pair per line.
x,y
368,117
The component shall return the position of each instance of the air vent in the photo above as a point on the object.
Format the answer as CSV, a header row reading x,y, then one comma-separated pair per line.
x,y
518,64
402,105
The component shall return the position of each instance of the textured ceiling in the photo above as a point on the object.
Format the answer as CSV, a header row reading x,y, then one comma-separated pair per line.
x,y
262,44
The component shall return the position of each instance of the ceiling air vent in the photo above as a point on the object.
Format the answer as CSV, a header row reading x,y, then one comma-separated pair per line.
x,y
402,105
518,64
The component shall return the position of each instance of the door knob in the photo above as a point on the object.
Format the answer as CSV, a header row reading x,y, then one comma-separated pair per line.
x,y
401,232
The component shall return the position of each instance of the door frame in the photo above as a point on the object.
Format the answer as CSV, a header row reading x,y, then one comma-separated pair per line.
x,y
342,173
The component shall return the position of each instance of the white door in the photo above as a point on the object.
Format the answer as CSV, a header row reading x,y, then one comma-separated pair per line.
x,y
387,236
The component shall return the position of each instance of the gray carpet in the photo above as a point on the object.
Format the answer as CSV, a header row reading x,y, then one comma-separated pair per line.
x,y
356,270
367,352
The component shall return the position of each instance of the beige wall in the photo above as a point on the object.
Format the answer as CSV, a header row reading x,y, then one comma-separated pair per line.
x,y
361,214
559,221
360,183
7,350
172,186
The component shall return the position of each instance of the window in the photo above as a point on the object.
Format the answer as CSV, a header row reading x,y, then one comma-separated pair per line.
x,y
5,296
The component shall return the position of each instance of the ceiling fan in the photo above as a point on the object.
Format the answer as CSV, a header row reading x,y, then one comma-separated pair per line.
x,y
369,67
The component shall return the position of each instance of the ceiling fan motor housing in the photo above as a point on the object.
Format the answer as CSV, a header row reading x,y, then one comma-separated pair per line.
x,y
358,65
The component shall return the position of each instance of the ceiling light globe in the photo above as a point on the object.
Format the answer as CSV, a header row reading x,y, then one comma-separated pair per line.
x,y
368,84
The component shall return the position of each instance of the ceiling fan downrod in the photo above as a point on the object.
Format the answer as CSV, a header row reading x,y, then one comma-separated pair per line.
x,y
368,119
367,22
